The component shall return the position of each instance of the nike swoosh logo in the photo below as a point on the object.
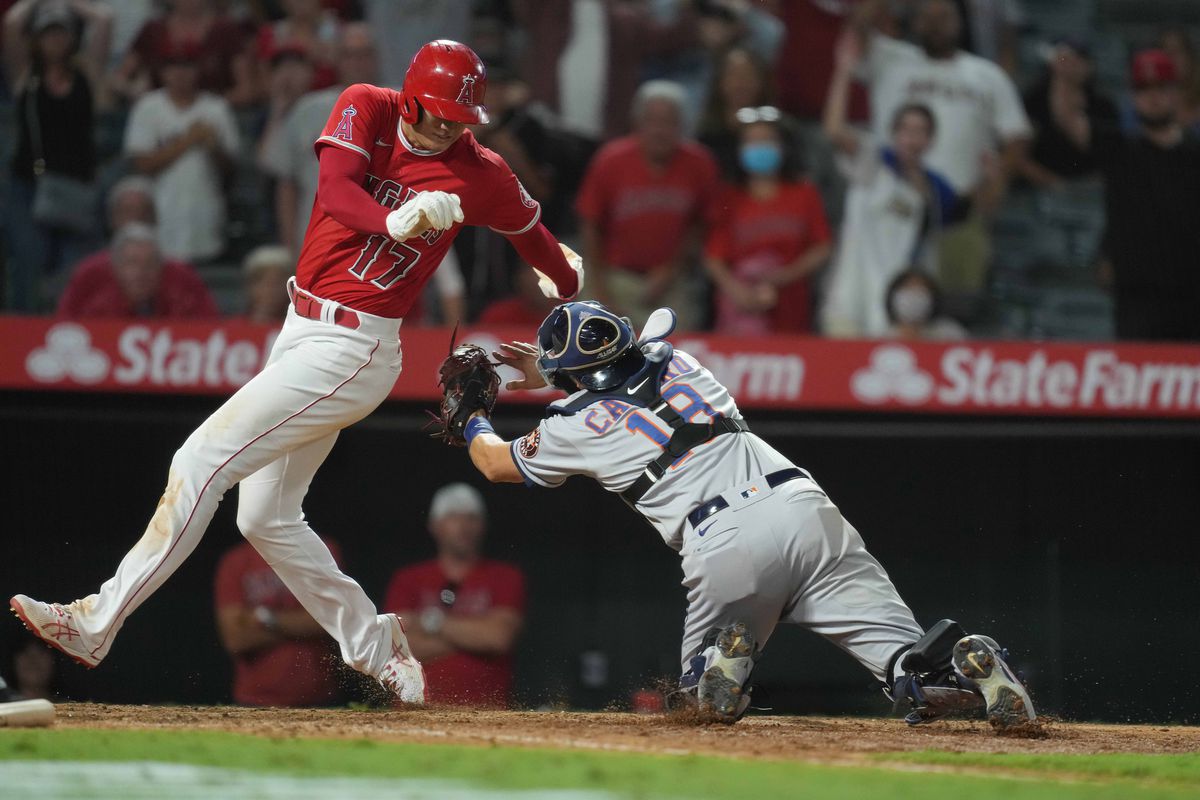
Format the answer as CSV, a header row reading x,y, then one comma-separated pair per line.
x,y
704,530
640,385
379,143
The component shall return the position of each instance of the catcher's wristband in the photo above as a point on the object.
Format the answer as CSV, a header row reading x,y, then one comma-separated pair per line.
x,y
476,426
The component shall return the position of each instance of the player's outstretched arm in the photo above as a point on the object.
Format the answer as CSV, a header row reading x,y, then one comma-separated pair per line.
x,y
490,454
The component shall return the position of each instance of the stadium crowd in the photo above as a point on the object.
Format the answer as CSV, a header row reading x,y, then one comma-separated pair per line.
x,y
841,167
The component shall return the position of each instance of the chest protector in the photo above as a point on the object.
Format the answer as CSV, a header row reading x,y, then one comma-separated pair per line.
x,y
647,394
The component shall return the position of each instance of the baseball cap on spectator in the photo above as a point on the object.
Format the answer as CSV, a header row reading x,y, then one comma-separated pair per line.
x,y
1153,68
456,498
265,257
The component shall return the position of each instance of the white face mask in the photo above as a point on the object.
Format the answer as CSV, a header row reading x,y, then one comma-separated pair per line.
x,y
912,305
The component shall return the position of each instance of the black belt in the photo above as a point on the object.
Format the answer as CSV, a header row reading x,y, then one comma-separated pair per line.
x,y
718,503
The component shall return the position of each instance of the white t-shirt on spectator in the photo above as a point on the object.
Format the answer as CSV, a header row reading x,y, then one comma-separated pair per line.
x,y
188,195
975,103
884,229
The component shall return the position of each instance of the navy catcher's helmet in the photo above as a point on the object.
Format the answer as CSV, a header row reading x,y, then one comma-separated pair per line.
x,y
586,341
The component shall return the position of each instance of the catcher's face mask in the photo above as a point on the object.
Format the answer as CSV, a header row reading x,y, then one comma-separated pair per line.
x,y
583,340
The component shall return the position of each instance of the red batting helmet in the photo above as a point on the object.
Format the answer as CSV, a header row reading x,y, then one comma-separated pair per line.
x,y
448,80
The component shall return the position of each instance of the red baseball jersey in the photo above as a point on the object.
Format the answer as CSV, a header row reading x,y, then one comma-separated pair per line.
x,y
644,213
371,272
756,237
462,678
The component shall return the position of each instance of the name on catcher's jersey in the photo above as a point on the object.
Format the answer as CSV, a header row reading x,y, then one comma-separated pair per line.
x,y
612,441
371,272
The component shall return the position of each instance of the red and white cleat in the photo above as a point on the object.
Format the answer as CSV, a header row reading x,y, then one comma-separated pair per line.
x,y
402,675
55,625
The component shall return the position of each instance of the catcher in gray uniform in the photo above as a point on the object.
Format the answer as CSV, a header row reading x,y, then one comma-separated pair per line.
x,y
761,543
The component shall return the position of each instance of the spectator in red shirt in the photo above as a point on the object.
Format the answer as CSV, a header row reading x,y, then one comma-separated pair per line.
x,y
771,237
130,200
132,279
281,656
462,612
527,306
642,203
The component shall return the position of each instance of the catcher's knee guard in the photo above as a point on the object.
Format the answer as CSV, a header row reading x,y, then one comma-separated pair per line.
x,y
929,687
717,682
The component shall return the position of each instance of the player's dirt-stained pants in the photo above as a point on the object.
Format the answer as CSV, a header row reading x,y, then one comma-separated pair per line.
x,y
271,436
787,555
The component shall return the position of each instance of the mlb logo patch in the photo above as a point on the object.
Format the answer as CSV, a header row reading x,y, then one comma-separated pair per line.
x,y
748,493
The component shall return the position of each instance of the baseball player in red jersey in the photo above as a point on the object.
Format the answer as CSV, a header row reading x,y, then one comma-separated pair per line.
x,y
399,176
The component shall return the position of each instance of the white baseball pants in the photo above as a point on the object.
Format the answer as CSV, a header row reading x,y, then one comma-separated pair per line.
x,y
271,436
787,555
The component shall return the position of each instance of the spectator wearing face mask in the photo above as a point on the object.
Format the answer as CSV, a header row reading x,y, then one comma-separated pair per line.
x,y
913,306
771,236
895,206
982,123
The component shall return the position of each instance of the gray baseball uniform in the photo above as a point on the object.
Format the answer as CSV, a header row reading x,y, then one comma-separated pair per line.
x,y
781,554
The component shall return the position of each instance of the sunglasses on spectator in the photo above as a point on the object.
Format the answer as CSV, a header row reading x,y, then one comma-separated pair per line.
x,y
750,115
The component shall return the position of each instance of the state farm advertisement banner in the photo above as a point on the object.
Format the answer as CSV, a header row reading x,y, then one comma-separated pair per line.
x,y
769,372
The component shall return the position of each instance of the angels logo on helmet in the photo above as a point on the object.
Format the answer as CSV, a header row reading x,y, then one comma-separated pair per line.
x,y
466,95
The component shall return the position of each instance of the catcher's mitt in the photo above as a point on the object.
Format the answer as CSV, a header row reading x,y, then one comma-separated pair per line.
x,y
469,382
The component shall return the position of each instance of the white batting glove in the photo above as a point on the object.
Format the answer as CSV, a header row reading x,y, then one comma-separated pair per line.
x,y
425,211
549,289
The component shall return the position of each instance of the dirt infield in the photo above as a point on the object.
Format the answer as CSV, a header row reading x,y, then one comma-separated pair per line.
x,y
820,739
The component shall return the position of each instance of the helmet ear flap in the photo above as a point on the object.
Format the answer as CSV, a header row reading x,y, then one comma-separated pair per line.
x,y
410,109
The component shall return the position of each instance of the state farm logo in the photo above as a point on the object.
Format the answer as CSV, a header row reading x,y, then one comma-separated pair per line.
x,y
893,374
67,353
143,356
976,377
